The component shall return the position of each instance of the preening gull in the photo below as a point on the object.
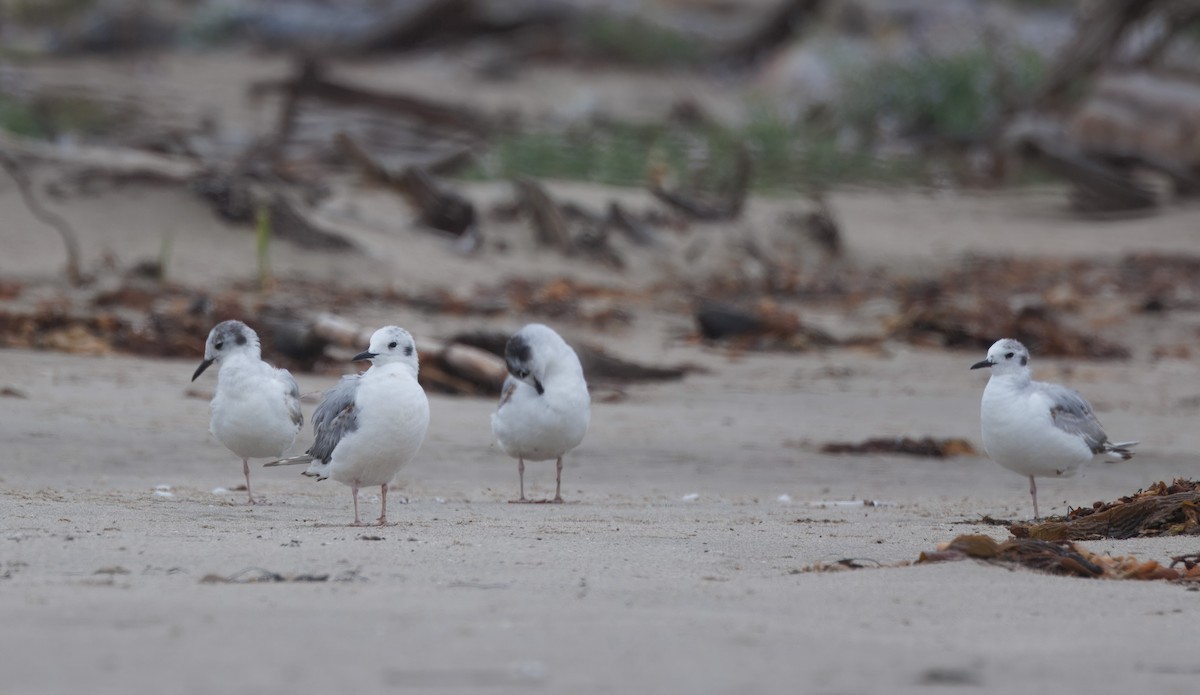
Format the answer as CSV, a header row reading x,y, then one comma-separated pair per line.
x,y
256,407
1036,428
544,405
370,425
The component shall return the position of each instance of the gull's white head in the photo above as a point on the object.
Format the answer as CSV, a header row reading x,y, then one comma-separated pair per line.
x,y
536,353
1005,356
229,338
391,344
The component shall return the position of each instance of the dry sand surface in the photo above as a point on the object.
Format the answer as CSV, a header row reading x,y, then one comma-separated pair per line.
x,y
675,567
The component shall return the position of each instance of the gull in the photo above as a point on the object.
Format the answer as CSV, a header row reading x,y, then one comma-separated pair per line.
x,y
256,407
544,405
370,425
1035,428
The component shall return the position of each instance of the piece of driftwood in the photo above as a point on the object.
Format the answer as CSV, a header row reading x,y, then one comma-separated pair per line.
x,y
438,207
114,161
310,82
710,208
484,371
598,364
775,30
549,223
628,224
764,327
1099,34
591,235
46,216
442,22
1098,186
822,227
237,197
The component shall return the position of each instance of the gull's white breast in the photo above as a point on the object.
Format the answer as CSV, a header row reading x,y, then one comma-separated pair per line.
x,y
249,410
393,416
542,427
1019,433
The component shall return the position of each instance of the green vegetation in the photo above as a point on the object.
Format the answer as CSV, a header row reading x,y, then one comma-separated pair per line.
x,y
951,98
930,100
47,116
786,155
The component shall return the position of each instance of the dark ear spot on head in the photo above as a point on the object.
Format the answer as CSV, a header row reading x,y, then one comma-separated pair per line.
x,y
407,350
517,350
1024,360
241,339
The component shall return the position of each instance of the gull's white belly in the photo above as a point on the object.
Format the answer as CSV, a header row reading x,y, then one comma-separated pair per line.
x,y
1021,436
529,429
393,416
255,425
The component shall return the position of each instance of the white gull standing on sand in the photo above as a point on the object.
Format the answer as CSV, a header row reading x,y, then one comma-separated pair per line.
x,y
544,405
256,407
1036,428
370,425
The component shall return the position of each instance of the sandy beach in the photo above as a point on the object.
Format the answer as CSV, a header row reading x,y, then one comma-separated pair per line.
x,y
676,566
697,509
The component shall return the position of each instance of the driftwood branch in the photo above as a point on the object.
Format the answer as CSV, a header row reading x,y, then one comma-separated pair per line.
x,y
454,367
311,82
787,20
1097,38
48,217
549,223
439,208
728,208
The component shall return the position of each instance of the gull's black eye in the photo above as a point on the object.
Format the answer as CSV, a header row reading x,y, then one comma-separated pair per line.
x,y
1008,355
219,344
392,345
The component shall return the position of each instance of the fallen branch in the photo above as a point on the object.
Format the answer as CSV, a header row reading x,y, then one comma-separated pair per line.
x,y
48,217
775,30
728,208
549,224
310,82
439,208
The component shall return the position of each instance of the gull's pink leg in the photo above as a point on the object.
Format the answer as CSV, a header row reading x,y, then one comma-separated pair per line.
x,y
383,504
246,472
354,491
558,482
521,476
1033,494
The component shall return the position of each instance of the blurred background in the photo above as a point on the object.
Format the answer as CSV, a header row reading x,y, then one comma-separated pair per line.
x,y
768,174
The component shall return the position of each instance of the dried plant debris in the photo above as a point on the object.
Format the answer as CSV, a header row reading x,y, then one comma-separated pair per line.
x,y
765,327
1159,510
1064,558
975,326
258,575
925,446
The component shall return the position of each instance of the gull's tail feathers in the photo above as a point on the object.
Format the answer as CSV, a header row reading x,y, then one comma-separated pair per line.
x,y
1119,451
289,461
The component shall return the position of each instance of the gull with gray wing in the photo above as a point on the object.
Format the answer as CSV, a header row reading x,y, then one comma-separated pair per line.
x,y
256,407
1035,428
370,425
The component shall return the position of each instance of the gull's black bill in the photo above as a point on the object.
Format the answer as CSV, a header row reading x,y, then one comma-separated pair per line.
x,y
364,356
201,368
981,364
